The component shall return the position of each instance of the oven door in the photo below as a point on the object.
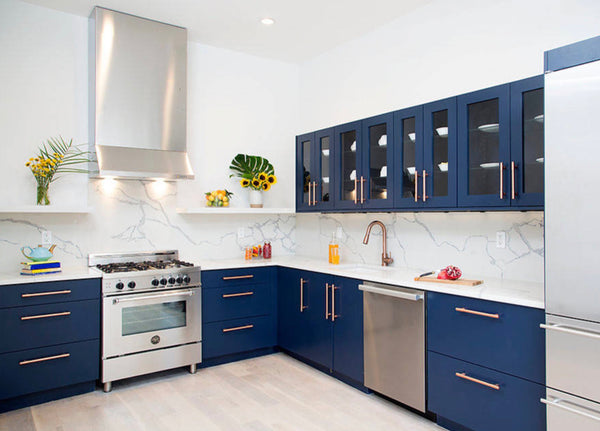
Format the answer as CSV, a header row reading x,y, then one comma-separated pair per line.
x,y
147,321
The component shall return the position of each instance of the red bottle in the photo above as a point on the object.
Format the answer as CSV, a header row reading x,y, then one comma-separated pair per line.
x,y
267,250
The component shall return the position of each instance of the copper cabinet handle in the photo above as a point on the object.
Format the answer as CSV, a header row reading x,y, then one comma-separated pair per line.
x,y
43,316
355,191
302,306
501,180
362,190
238,277
416,186
513,193
54,292
47,358
481,382
235,295
477,313
425,197
333,315
327,313
238,328
314,193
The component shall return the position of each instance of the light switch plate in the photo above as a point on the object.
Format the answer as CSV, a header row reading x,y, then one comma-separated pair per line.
x,y
501,239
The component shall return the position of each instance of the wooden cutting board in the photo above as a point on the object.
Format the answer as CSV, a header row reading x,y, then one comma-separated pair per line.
x,y
460,281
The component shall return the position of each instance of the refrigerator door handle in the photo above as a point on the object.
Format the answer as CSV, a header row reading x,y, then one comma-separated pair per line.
x,y
562,328
558,403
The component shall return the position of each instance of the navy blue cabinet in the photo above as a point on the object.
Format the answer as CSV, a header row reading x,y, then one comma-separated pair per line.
x,y
238,313
408,157
51,342
315,171
486,363
320,320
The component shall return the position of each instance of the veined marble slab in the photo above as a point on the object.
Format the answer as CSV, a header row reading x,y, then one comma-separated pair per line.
x,y
68,273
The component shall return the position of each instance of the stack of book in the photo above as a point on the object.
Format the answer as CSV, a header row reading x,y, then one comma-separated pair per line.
x,y
38,268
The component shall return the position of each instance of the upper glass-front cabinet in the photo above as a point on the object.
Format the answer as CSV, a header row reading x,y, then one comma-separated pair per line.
x,y
408,143
314,171
527,142
484,147
376,182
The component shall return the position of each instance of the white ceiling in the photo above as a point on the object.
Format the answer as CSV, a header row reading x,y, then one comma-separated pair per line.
x,y
303,28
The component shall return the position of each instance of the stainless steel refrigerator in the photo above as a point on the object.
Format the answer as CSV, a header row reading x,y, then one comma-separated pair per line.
x,y
572,250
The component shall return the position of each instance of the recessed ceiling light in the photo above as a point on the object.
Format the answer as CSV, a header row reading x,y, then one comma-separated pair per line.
x,y
267,21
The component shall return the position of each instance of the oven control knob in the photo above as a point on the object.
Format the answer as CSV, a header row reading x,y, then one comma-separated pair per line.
x,y
171,280
131,284
186,279
119,285
179,280
163,281
155,282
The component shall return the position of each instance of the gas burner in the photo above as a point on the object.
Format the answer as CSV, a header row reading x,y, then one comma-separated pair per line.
x,y
147,265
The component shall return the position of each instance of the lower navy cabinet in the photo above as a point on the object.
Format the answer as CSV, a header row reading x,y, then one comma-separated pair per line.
x,y
321,321
481,399
238,313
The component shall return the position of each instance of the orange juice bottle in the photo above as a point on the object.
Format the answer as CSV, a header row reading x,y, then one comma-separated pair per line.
x,y
334,251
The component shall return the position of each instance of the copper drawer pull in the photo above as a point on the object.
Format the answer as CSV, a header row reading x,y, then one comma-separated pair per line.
x,y
309,201
502,180
416,186
234,295
43,316
477,313
355,191
481,382
327,313
333,315
362,190
425,197
238,328
55,292
238,277
513,193
314,193
47,358
302,306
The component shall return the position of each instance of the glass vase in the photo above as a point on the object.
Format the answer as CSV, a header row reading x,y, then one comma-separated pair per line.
x,y
42,195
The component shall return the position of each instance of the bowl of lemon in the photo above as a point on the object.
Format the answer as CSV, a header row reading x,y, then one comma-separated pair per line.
x,y
218,198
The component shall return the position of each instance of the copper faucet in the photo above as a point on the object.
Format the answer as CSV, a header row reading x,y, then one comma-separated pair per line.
x,y
386,258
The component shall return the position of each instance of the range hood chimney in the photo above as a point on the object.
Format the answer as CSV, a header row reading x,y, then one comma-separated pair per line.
x,y
137,98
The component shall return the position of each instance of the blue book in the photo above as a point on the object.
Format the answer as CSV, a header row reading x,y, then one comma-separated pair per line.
x,y
42,265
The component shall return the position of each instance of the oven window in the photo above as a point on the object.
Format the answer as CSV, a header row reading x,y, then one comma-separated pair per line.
x,y
154,317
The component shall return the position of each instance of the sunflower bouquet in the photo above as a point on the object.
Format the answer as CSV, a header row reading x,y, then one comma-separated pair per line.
x,y
255,172
55,157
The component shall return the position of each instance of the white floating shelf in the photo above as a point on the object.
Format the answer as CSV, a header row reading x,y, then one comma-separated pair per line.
x,y
46,209
229,210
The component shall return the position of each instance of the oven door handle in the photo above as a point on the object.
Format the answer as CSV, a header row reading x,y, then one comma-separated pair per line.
x,y
132,298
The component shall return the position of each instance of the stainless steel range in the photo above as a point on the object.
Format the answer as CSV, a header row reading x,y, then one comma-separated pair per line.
x,y
151,313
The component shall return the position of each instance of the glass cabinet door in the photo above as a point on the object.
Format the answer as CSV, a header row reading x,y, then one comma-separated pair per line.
x,y
484,138
408,143
324,176
304,175
527,142
348,174
377,162
439,173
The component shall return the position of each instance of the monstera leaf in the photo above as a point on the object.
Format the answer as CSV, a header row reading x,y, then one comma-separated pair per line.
x,y
246,166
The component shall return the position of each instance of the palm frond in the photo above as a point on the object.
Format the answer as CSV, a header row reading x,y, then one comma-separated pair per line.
x,y
247,166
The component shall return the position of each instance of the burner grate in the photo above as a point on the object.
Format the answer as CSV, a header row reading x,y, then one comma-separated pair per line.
x,y
142,266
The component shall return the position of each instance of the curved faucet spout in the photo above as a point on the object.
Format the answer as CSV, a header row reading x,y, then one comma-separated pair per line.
x,y
386,258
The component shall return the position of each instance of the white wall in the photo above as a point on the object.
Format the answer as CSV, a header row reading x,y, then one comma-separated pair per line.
x,y
236,103
441,49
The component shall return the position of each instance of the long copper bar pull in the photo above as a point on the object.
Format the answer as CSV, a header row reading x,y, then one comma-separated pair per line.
x,y
355,191
333,315
238,277
238,328
327,313
235,295
54,292
314,193
416,186
47,358
481,382
513,193
501,180
309,202
425,197
362,190
302,306
477,313
44,316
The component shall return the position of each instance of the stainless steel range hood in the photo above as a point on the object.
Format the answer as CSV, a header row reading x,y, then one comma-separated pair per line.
x,y
137,97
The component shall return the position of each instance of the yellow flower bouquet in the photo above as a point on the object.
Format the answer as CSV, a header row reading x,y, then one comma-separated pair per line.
x,y
255,172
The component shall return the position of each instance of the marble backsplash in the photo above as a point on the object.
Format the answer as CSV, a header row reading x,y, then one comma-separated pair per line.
x,y
139,216
430,241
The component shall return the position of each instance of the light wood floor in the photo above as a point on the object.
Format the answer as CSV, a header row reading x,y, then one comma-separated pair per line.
x,y
272,392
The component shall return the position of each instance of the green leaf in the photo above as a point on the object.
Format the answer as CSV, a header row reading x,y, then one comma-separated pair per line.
x,y
247,166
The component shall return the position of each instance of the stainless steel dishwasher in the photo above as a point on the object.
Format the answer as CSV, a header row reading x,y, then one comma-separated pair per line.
x,y
394,342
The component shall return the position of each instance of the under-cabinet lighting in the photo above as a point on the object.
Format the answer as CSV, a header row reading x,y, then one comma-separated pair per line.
x,y
267,21
108,185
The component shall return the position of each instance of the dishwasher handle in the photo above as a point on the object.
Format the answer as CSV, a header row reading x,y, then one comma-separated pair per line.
x,y
391,292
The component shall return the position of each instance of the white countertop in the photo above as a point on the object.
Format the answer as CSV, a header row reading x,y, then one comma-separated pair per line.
x,y
67,273
525,293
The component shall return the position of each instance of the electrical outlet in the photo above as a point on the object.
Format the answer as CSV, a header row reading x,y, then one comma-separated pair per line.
x,y
240,232
46,237
501,239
